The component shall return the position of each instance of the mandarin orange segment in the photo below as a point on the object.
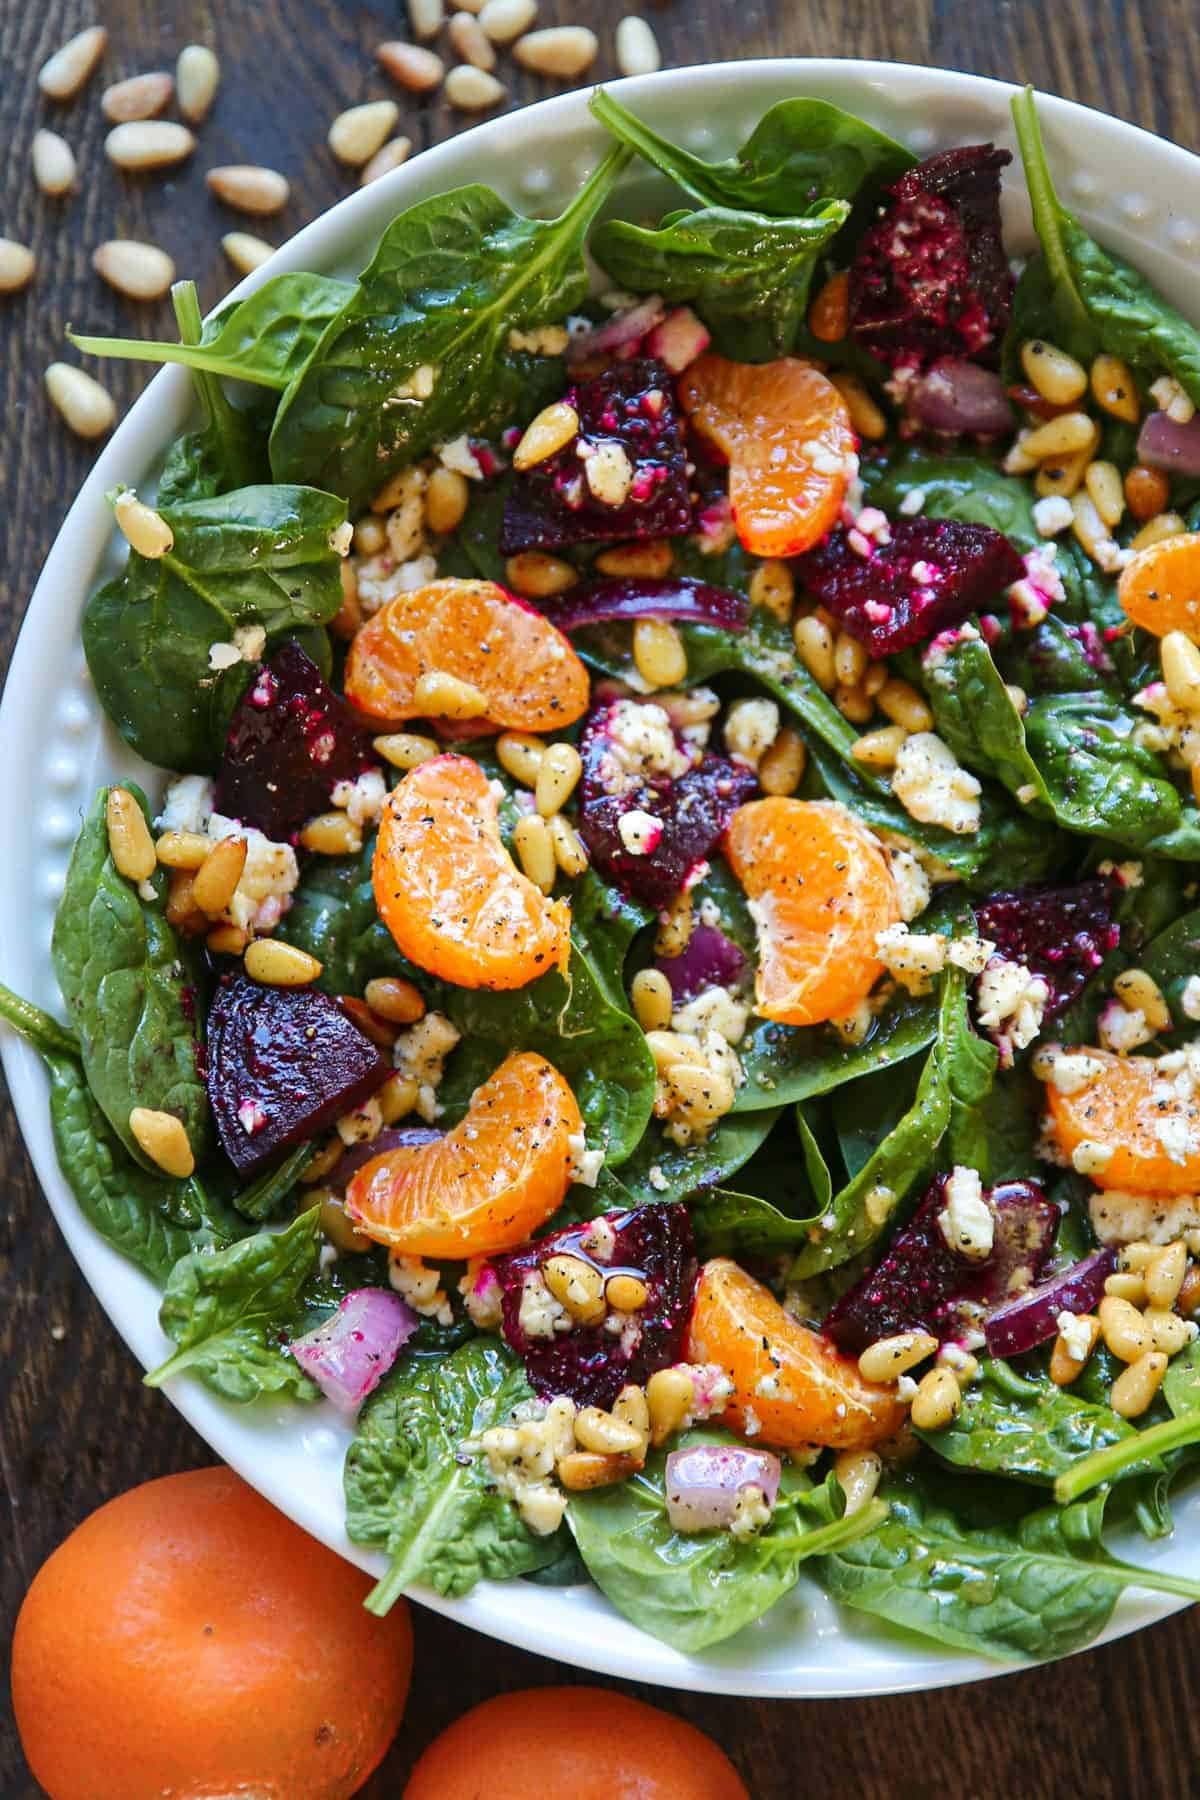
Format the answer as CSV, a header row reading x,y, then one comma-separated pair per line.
x,y
793,1382
488,1183
1148,1117
820,890
525,668
449,892
787,435
1160,587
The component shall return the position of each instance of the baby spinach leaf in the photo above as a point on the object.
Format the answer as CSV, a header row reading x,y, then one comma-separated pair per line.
x,y
786,1063
1103,784
961,486
334,917
695,1589
265,338
974,713
226,1310
1109,1462
1040,1585
1086,298
747,275
865,1111
1050,660
1181,1384
1029,1435
660,1170
604,923
260,556
267,1193
728,1223
128,991
1173,958
410,1489
800,152
229,451
452,278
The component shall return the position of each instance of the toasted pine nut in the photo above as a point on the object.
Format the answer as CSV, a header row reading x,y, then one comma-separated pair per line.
x,y
849,659
148,144
699,1094
890,1357
1136,1386
1146,491
412,65
1168,1332
1061,436
552,430
781,768
1123,1328
650,992
651,559
504,20
1181,670
675,927
129,842
426,17
1114,389
569,851
277,964
560,50
380,1031
1103,483
472,90
197,74
535,851
54,167
138,97
142,271
608,1436
17,265
865,416
87,408
182,911
937,1399
393,153
1089,527
397,1097
520,756
363,1125
858,1473
853,703
471,42
904,705
814,646
62,75
1065,1368
217,877
637,47
631,1409
1188,1301
145,530
537,576
1138,1255
182,849
162,1136
370,535
1126,1284
578,1286
1056,376
829,314
670,1397
395,999
1062,475
1164,1275
876,677
405,749
440,695
659,654
1164,525
1138,990
446,496
584,1469
245,251
250,189
774,586
332,834
336,1225
227,940
360,131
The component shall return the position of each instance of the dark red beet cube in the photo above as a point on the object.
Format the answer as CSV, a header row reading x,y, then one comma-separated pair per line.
x,y
691,809
930,575
1061,933
632,405
290,741
284,1064
921,1283
589,1362
931,277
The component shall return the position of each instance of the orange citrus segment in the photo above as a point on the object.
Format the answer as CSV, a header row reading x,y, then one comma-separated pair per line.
x,y
1147,1116
820,889
521,663
1160,588
797,1386
489,1182
449,892
787,434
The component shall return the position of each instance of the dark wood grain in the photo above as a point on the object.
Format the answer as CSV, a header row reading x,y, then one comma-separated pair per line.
x,y
76,1427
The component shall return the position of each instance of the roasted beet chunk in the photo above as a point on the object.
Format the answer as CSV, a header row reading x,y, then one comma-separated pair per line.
x,y
623,476
291,740
920,1282
283,1065
931,277
651,807
1060,933
589,1361
929,575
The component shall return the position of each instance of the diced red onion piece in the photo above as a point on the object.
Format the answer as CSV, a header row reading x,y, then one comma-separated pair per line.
x,y
1031,1319
393,1137
1164,444
623,328
645,597
704,1481
956,395
349,1355
710,959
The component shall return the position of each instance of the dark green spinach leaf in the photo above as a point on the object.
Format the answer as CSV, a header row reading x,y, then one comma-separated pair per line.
x,y
1032,1431
230,449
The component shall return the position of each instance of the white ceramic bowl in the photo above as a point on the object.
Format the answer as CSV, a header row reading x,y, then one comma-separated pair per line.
x,y
57,749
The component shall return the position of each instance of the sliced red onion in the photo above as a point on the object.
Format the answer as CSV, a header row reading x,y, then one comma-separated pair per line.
x,y
704,1481
1031,1319
642,597
623,328
349,1355
393,1137
956,395
1164,444
710,959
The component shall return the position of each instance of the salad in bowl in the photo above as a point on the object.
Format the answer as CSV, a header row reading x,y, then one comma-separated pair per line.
x,y
662,975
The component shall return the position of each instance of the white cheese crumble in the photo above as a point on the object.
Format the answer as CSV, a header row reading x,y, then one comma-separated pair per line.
x,y
966,1221
751,727
222,657
420,1053
640,743
912,502
933,787
639,831
913,887
1068,1071
459,456
713,1009
362,800
1123,1028
1121,1218
585,1165
1052,514
187,805
1076,1335
1090,1157
420,1286
1011,1001
540,1314
1173,399
1189,999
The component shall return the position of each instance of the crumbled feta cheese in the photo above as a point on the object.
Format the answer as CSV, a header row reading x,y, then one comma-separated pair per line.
x,y
418,385
1075,1334
1177,1138
933,787
540,1315
751,727
1123,1028
713,1009
544,340
268,879
906,1389
362,1124
222,657
640,743
751,1423
709,913
1053,514
148,892
480,1288
585,1165
751,1512
420,1286
362,800
1090,1157
250,641
599,1240
971,954
420,1053
639,831
912,503
913,887
1069,1071
1173,399
1121,1218
459,456
1189,998
1010,1002
187,805
912,957
608,471
341,538
966,1221
658,1181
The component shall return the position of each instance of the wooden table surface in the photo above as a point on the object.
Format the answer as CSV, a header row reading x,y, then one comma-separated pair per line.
x,y
76,1426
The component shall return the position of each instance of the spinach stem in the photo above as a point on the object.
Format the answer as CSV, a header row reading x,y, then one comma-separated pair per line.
x,y
1103,1465
1005,1377
36,1026
832,1536
193,356
1047,210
